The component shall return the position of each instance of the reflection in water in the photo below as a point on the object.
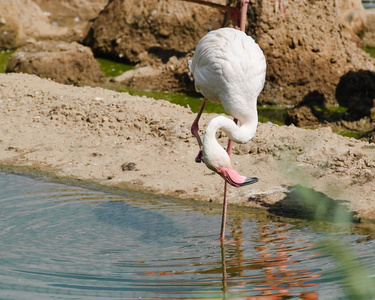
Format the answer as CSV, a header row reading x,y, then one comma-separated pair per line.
x,y
277,262
276,280
74,243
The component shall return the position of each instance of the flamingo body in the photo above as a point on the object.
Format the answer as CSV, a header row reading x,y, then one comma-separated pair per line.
x,y
229,67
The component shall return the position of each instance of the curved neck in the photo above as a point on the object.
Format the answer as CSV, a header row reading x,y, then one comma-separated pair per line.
x,y
238,134
213,153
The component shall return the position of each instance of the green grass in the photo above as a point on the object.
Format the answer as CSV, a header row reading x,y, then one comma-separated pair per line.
x,y
112,68
351,133
370,50
4,57
274,114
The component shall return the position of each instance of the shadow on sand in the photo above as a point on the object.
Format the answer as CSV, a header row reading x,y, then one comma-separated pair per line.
x,y
306,203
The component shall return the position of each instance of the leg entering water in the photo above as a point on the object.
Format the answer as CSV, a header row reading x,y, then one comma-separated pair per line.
x,y
225,202
244,5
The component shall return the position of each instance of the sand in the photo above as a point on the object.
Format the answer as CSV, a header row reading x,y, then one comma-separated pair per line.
x,y
123,141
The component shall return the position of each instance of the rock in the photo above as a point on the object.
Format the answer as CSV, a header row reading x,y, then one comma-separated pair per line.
x,y
69,63
162,28
172,76
372,111
356,90
138,74
369,35
306,51
128,166
327,129
67,12
305,114
23,21
371,137
73,14
352,16
302,116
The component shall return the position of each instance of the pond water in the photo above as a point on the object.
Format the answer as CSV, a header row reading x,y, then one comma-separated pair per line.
x,y
68,242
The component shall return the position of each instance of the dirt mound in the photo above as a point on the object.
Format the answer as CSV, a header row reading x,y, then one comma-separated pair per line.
x,y
172,76
66,12
307,51
369,34
308,47
138,31
356,90
69,63
22,21
352,16
135,142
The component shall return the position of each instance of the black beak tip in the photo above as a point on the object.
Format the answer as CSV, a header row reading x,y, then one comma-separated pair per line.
x,y
250,180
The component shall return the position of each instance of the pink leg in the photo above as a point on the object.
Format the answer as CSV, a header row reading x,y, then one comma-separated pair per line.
x,y
230,143
195,129
282,9
224,214
244,4
233,12
279,6
225,202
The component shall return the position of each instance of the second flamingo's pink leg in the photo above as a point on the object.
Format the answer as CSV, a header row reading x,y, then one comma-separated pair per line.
x,y
230,143
194,131
244,5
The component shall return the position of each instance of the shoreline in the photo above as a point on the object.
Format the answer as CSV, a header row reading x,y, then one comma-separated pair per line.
x,y
365,227
122,141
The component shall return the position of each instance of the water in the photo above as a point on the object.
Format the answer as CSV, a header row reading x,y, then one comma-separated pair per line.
x,y
65,242
368,3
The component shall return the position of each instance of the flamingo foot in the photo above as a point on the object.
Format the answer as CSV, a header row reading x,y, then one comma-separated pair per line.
x,y
233,178
199,157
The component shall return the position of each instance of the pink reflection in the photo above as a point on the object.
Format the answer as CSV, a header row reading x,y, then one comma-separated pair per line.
x,y
275,278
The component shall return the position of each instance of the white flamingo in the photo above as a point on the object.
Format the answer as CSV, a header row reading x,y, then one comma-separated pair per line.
x,y
228,67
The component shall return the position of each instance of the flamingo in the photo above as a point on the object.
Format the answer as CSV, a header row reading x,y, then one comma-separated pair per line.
x,y
215,155
228,67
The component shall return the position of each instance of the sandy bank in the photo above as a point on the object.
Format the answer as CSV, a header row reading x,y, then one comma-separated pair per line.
x,y
120,140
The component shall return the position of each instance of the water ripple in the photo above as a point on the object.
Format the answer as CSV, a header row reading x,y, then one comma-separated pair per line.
x,y
60,242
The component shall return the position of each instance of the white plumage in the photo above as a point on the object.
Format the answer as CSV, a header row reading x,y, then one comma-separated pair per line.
x,y
229,67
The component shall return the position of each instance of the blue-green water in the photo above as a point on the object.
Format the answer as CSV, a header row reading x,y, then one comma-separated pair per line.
x,y
65,242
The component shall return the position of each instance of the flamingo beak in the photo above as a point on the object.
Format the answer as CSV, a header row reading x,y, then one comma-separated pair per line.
x,y
233,178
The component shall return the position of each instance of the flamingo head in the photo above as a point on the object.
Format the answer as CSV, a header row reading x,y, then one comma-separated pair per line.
x,y
233,178
220,162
